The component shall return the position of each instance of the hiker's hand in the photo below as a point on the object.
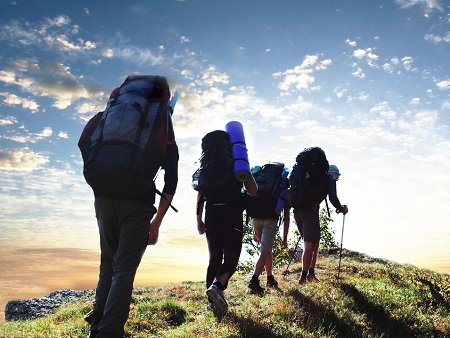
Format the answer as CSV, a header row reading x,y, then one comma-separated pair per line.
x,y
344,209
256,238
283,244
153,234
201,227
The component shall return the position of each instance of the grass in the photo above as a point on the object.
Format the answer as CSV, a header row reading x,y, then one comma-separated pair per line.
x,y
372,298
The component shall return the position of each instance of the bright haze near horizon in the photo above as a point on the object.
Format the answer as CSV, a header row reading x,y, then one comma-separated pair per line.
x,y
368,81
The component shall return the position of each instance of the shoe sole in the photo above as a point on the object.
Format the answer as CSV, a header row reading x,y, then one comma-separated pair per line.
x,y
219,305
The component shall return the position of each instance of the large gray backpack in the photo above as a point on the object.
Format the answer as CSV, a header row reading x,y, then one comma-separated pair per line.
x,y
123,146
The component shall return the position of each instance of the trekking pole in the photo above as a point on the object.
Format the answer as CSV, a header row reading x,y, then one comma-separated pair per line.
x,y
342,239
292,256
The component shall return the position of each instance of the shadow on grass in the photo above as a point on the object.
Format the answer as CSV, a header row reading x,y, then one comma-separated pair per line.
x,y
316,316
249,328
379,320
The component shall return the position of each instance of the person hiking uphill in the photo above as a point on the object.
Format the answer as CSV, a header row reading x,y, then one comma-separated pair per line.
x,y
223,221
264,216
307,219
122,179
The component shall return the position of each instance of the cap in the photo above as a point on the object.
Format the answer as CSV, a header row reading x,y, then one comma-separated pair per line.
x,y
333,169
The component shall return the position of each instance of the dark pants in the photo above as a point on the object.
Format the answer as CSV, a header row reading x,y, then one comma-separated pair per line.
x,y
123,227
308,224
224,235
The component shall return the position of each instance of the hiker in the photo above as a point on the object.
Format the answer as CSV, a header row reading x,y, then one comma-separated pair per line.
x,y
265,219
124,203
223,221
307,219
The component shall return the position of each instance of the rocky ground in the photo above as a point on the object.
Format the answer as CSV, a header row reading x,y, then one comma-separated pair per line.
x,y
40,307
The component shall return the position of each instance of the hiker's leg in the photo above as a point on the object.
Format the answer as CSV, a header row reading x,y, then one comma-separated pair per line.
x,y
232,233
215,242
267,240
101,293
311,232
269,264
108,228
307,255
258,225
314,256
298,221
134,218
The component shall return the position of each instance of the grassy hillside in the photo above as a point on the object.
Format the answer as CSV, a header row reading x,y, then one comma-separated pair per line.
x,y
372,298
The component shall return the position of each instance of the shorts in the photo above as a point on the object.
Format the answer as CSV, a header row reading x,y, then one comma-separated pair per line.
x,y
308,224
265,230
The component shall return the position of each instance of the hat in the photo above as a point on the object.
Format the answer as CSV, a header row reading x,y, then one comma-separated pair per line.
x,y
333,169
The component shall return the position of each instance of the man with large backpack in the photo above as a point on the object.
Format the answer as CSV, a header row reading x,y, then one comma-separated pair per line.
x,y
223,222
271,204
312,180
123,149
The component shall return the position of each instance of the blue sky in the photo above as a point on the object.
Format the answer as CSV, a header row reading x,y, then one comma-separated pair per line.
x,y
368,81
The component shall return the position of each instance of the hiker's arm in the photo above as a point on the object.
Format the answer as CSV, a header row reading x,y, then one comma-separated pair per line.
x,y
155,224
332,194
251,187
286,223
171,169
170,186
199,211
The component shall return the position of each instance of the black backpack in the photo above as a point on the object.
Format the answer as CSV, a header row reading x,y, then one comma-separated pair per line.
x,y
308,179
215,178
124,146
271,180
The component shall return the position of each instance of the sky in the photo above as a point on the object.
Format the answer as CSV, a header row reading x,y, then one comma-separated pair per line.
x,y
367,81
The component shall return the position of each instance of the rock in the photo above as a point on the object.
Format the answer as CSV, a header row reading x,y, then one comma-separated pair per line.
x,y
39,307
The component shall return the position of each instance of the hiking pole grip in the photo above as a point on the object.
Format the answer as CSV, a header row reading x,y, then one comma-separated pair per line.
x,y
338,211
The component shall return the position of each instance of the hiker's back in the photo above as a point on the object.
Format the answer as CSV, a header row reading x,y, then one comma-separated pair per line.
x,y
309,179
215,178
271,179
124,146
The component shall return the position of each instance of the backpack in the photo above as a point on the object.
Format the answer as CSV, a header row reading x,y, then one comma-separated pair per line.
x,y
215,178
123,147
271,180
308,179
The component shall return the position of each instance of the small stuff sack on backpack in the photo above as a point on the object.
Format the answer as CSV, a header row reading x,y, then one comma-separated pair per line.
x,y
215,178
271,180
122,147
308,178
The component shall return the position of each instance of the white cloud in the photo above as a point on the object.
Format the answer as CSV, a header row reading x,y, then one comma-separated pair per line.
x,y
301,76
63,134
14,100
22,159
211,76
444,84
184,39
359,73
108,52
351,43
141,56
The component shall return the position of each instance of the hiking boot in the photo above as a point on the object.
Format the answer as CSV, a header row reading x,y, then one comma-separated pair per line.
x,y
302,281
311,278
218,303
255,288
272,282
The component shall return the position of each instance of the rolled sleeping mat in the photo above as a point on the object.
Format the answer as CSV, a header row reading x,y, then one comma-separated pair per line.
x,y
280,203
239,150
